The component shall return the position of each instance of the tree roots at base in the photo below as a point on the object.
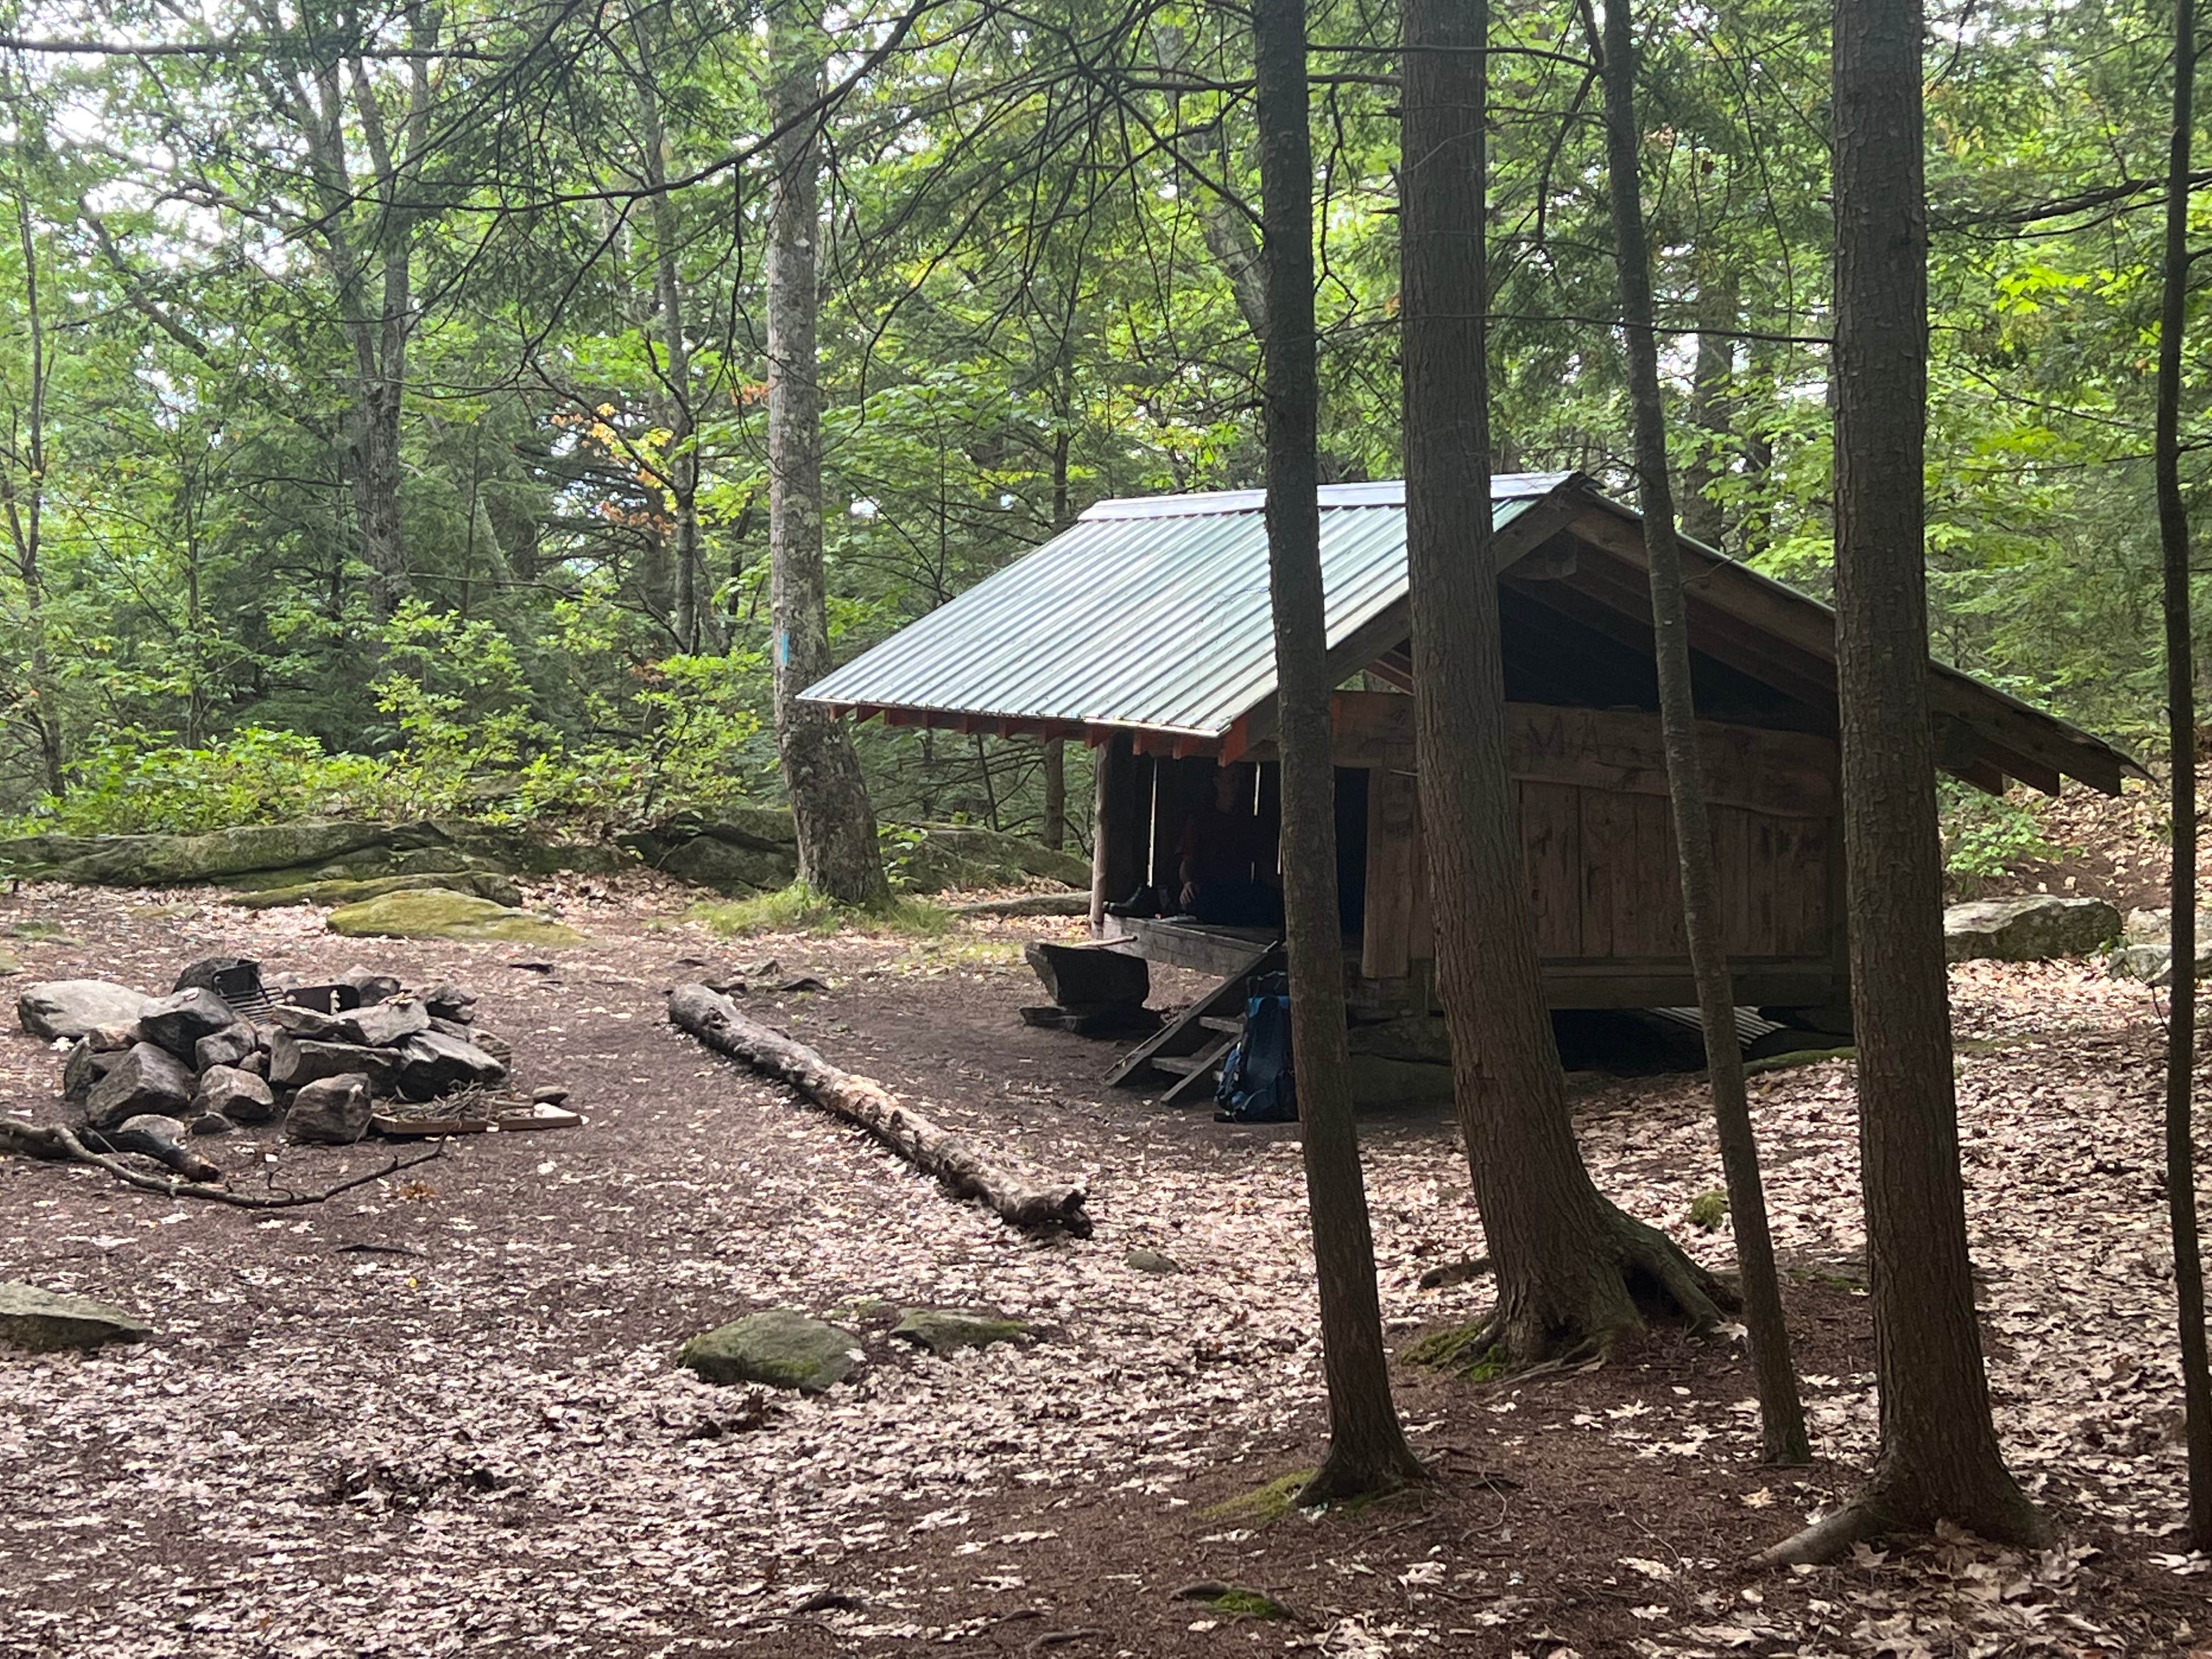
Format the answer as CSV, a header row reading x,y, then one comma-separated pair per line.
x,y
1529,1333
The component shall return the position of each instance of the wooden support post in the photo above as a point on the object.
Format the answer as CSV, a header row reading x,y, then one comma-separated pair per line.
x,y
1117,852
1393,855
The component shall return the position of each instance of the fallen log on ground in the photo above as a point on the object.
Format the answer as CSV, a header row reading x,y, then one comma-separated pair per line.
x,y
1025,1198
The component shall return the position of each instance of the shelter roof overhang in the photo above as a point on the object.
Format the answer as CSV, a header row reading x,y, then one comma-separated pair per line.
x,y
1149,617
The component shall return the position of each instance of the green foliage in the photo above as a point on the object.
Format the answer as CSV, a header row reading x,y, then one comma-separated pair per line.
x,y
799,908
1709,1209
1465,1350
1986,838
253,776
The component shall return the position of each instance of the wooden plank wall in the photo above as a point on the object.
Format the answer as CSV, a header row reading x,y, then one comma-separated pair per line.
x,y
1597,835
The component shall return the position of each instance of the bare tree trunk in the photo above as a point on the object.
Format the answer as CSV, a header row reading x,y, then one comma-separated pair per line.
x,y
23,499
1939,1458
1054,834
1564,1257
1719,311
1367,1450
838,852
2181,730
687,608
1782,1413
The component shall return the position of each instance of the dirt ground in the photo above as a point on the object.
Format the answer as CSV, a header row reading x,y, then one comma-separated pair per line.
x,y
438,1415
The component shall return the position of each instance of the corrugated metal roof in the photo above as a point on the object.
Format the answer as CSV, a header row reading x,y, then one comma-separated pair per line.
x,y
1150,612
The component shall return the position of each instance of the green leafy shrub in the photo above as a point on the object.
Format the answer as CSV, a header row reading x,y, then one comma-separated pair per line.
x,y
127,785
1987,837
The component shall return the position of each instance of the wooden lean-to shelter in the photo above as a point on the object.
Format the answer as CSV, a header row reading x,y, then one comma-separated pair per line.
x,y
1145,631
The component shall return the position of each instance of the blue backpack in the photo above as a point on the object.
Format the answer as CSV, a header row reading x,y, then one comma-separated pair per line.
x,y
1256,1082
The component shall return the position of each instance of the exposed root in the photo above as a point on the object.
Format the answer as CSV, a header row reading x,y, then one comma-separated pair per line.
x,y
59,1144
1831,1537
1345,1481
1541,1327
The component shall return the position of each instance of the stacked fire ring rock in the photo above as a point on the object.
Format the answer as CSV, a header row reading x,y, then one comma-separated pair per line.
x,y
222,1050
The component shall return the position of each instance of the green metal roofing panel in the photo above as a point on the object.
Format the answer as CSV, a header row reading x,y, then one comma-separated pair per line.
x,y
1150,612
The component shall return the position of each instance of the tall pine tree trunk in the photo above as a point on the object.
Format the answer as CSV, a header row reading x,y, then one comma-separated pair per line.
x,y
1782,1413
1367,1450
1719,315
838,852
2181,730
687,605
1565,1259
1939,1458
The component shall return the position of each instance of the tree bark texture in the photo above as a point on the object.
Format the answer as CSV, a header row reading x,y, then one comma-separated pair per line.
x,y
1569,1265
1938,1456
23,499
2181,733
1055,758
1782,1413
1712,378
838,852
1023,1196
688,602
1368,1450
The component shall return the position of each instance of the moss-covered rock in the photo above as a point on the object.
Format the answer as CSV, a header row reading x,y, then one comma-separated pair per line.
x,y
423,913
269,855
948,1330
483,884
941,856
779,1348
46,1321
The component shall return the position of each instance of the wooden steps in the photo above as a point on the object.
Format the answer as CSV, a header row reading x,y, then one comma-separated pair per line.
x,y
1192,1049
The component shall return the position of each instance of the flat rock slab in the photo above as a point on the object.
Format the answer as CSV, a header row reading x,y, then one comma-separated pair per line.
x,y
46,1321
1152,1261
2037,929
948,1330
414,913
72,1007
778,1349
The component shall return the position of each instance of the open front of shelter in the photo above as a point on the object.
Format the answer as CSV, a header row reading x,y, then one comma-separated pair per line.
x,y
1145,631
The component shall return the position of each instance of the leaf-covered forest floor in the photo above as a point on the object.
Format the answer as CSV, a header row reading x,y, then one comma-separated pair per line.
x,y
472,1440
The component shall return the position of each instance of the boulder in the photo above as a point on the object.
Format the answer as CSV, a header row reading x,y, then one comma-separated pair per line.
x,y
301,1022
179,1021
331,1111
372,987
294,1062
83,1070
145,1080
448,1001
2035,928
225,1048
778,1349
730,870
414,913
431,1064
948,1330
238,1096
483,884
72,1007
210,1123
946,855
380,1024
204,974
46,1321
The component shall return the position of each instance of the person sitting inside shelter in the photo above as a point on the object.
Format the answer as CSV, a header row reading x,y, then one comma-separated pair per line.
x,y
1226,859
